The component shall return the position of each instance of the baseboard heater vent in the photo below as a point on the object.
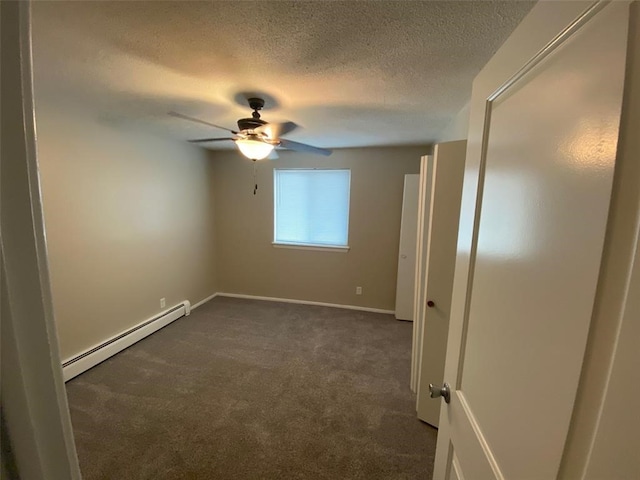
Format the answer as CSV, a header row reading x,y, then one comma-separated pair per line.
x,y
93,356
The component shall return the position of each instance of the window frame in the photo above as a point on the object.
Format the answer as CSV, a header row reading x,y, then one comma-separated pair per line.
x,y
310,246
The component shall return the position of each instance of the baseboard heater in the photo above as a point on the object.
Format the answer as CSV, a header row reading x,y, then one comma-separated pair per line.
x,y
99,353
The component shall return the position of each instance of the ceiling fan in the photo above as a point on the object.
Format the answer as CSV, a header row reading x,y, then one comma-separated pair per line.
x,y
256,138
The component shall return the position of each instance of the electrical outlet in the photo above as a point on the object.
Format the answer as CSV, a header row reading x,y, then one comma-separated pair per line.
x,y
163,303
358,290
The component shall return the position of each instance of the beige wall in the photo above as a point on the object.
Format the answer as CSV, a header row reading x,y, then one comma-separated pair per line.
x,y
458,128
129,219
248,263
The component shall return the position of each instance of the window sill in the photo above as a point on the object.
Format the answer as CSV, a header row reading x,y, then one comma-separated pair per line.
x,y
302,246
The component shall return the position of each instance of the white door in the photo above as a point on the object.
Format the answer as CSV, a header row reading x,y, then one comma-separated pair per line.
x,y
419,303
439,259
407,252
538,181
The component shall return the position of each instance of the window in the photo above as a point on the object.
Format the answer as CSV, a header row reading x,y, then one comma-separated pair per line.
x,y
311,207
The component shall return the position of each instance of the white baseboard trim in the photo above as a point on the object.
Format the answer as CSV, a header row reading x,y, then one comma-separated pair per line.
x,y
78,364
203,301
304,302
82,362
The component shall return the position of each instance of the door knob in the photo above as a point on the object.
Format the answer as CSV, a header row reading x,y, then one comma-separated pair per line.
x,y
436,391
403,256
431,304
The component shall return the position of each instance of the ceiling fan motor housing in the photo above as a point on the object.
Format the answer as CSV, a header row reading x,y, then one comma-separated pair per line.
x,y
250,123
256,104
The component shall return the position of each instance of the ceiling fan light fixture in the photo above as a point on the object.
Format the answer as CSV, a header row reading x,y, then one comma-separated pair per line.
x,y
254,149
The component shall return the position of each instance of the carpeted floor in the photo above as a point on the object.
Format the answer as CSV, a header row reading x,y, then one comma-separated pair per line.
x,y
246,389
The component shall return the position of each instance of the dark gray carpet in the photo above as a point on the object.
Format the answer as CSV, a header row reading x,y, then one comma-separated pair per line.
x,y
256,390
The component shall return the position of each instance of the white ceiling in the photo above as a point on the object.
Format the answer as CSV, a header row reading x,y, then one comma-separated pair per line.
x,y
355,73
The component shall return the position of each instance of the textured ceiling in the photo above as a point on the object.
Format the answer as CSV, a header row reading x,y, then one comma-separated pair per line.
x,y
354,73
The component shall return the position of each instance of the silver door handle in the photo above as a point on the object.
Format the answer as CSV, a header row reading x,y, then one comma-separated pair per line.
x,y
436,391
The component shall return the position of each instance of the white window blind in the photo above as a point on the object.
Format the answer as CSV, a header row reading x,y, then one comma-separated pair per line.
x,y
311,207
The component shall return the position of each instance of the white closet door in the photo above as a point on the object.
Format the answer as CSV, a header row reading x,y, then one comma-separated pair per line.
x,y
407,252
442,234
424,196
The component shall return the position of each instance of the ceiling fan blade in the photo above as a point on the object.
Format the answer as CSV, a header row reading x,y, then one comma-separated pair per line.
x,y
203,140
273,155
303,147
275,130
197,120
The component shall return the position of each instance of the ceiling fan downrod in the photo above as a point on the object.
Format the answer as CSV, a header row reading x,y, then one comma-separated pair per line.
x,y
256,104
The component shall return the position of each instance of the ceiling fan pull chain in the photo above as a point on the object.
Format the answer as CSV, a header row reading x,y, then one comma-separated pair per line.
x,y
255,181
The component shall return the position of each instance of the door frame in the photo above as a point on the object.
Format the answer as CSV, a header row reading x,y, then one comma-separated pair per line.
x,y
35,412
